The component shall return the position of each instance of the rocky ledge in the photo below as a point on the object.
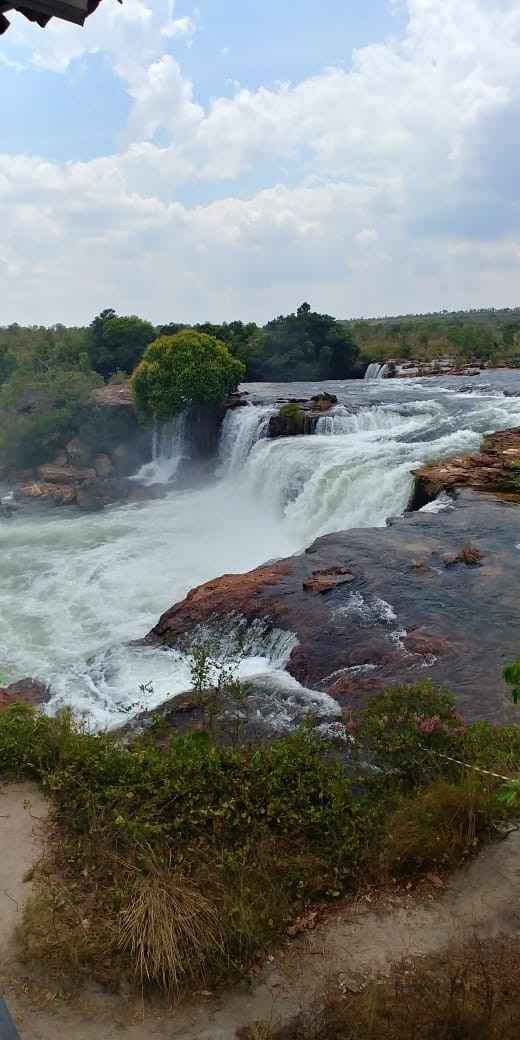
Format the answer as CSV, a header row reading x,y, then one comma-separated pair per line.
x,y
432,595
495,470
299,415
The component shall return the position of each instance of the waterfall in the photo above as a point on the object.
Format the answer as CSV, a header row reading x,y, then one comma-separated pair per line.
x,y
242,428
373,370
169,448
376,371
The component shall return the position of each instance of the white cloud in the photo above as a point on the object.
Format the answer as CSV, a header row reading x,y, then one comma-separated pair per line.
x,y
393,199
367,236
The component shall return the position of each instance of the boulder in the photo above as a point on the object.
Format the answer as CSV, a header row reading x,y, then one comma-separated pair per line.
x,y
323,401
30,691
289,421
59,494
51,474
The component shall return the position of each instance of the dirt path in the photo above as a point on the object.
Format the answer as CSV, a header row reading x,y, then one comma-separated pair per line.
x,y
22,810
482,900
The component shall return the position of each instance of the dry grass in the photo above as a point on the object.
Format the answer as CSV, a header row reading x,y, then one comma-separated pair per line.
x,y
466,993
438,827
169,929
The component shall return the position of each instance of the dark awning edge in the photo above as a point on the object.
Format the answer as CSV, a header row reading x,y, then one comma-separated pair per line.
x,y
41,11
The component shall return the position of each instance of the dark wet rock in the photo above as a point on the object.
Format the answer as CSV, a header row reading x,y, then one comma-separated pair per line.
x,y
299,415
29,691
403,617
237,400
323,401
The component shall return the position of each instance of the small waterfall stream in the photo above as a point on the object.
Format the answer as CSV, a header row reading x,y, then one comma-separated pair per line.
x,y
376,371
169,448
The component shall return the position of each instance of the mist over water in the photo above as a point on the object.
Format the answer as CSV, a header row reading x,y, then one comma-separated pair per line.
x,y
75,589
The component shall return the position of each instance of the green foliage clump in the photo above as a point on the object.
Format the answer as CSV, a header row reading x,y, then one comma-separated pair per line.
x,y
245,836
511,675
116,343
187,369
41,410
407,728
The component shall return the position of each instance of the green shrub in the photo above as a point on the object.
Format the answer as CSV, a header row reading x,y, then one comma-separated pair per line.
x,y
406,728
187,369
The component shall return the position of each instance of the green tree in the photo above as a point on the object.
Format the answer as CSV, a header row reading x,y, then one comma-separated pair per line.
x,y
306,345
176,372
116,343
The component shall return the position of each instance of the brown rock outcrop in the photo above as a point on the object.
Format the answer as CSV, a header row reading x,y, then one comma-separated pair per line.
x,y
30,691
495,469
51,474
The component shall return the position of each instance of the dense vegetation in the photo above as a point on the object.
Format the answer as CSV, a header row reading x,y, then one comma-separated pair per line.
x,y
222,846
189,368
47,374
490,335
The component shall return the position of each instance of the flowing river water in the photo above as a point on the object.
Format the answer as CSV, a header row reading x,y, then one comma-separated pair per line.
x,y
76,589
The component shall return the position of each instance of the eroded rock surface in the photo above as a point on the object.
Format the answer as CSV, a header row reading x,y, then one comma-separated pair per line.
x,y
495,469
396,614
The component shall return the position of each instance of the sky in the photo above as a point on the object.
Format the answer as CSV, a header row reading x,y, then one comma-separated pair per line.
x,y
232,159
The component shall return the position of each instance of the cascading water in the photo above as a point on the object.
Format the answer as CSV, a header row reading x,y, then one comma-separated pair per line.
x,y
376,371
242,428
75,590
169,448
373,370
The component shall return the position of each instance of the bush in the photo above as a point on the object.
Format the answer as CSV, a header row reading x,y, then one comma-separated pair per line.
x,y
406,728
239,835
187,369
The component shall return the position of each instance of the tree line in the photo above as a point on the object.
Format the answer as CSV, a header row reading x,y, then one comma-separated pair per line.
x,y
47,374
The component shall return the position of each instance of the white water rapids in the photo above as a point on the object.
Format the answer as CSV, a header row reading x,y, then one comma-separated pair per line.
x,y
75,589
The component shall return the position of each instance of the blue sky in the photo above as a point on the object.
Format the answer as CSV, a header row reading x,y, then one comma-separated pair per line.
x,y
237,40
234,157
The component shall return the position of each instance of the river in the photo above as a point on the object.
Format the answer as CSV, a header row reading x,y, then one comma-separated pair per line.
x,y
75,589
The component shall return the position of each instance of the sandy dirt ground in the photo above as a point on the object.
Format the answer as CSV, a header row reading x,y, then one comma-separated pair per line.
x,y
346,949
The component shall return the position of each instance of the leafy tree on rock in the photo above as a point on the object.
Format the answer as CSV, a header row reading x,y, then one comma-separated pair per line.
x,y
117,343
190,368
